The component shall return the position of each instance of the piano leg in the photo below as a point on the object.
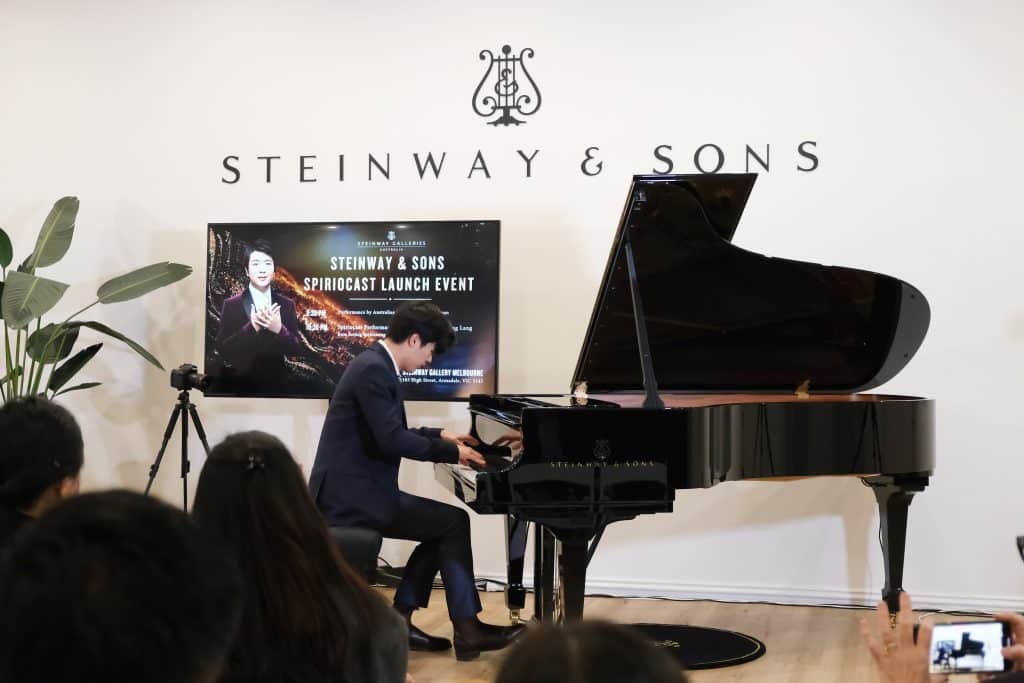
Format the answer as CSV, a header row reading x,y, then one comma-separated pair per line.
x,y
572,575
543,574
894,494
516,533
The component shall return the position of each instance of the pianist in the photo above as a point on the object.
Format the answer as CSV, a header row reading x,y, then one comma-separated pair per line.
x,y
355,478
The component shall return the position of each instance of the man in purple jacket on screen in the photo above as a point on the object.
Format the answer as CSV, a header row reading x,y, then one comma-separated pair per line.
x,y
258,326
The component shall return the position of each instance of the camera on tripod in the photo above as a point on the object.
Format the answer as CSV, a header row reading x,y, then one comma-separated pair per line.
x,y
187,376
184,377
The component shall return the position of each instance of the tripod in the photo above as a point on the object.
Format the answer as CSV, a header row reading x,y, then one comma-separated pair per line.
x,y
184,407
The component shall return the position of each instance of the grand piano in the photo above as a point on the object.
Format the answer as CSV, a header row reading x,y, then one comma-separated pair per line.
x,y
703,363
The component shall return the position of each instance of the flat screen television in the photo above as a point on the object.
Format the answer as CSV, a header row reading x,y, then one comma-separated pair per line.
x,y
334,286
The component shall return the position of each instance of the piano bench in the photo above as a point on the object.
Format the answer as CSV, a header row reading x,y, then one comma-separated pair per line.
x,y
360,548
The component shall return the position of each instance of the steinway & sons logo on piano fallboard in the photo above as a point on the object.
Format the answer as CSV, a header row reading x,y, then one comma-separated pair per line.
x,y
507,95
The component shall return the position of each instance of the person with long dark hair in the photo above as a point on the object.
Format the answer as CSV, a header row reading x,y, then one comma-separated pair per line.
x,y
41,455
307,616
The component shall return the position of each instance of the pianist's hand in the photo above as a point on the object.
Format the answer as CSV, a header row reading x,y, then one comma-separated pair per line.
x,y
898,658
468,457
458,438
513,438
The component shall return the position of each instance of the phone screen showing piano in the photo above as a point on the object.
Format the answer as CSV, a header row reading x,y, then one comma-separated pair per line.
x,y
968,647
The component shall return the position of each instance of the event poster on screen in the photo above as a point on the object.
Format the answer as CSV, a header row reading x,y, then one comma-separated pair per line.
x,y
333,289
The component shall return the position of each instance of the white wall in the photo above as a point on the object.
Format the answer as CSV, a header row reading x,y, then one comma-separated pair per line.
x,y
916,109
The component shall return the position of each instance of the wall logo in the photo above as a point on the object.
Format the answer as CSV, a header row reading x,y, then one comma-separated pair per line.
x,y
391,235
506,88
506,96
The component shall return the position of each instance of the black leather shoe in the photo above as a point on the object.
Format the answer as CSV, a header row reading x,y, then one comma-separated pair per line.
x,y
418,640
473,637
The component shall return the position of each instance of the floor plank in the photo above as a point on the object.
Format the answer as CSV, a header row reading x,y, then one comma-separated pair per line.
x,y
804,644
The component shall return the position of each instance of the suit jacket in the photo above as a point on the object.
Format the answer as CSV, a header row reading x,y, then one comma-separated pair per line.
x,y
256,352
365,436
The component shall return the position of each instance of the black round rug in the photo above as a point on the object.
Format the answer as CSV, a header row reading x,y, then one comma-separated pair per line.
x,y
696,647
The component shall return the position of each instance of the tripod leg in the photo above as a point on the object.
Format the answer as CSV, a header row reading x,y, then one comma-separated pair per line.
x,y
163,446
185,466
199,428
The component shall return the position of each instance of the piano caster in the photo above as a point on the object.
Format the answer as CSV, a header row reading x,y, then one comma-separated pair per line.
x,y
513,617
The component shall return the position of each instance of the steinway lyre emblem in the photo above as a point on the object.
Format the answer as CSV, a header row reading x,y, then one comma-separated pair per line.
x,y
506,88
602,450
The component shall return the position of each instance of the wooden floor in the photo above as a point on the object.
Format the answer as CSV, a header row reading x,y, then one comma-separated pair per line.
x,y
812,644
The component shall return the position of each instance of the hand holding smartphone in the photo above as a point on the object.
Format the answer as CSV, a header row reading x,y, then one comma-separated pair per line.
x,y
969,647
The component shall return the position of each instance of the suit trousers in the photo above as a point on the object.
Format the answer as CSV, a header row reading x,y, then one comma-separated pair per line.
x,y
443,533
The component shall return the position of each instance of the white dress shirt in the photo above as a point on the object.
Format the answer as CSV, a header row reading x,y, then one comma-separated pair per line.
x,y
397,371
260,300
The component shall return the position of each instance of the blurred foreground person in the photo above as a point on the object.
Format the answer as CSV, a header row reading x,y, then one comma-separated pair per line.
x,y
308,617
118,588
588,652
40,459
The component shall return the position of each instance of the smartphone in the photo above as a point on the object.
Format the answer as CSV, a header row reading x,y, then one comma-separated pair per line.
x,y
969,647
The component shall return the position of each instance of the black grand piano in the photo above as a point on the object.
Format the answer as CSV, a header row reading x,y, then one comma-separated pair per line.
x,y
703,363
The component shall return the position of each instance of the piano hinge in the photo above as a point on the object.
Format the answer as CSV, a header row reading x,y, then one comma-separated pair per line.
x,y
804,390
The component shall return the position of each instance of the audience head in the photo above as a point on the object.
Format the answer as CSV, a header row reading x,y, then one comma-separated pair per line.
x,y
41,455
253,498
115,587
587,652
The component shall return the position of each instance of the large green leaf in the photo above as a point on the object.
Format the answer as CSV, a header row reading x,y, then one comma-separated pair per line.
x,y
55,235
141,281
6,250
137,348
84,385
27,297
1,300
69,369
51,343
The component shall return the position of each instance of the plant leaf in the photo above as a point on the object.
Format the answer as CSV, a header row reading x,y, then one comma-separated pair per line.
x,y
141,281
6,250
137,348
65,372
27,297
1,300
83,385
61,339
55,235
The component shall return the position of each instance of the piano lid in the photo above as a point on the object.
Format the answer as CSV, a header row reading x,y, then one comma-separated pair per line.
x,y
720,318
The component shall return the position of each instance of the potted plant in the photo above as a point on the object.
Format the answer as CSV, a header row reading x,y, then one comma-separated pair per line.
x,y
38,357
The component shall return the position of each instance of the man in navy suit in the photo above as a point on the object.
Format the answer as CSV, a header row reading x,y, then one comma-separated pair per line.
x,y
258,326
355,477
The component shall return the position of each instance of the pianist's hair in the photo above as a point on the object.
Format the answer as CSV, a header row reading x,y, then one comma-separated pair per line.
x,y
425,319
307,614
587,652
115,586
42,445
